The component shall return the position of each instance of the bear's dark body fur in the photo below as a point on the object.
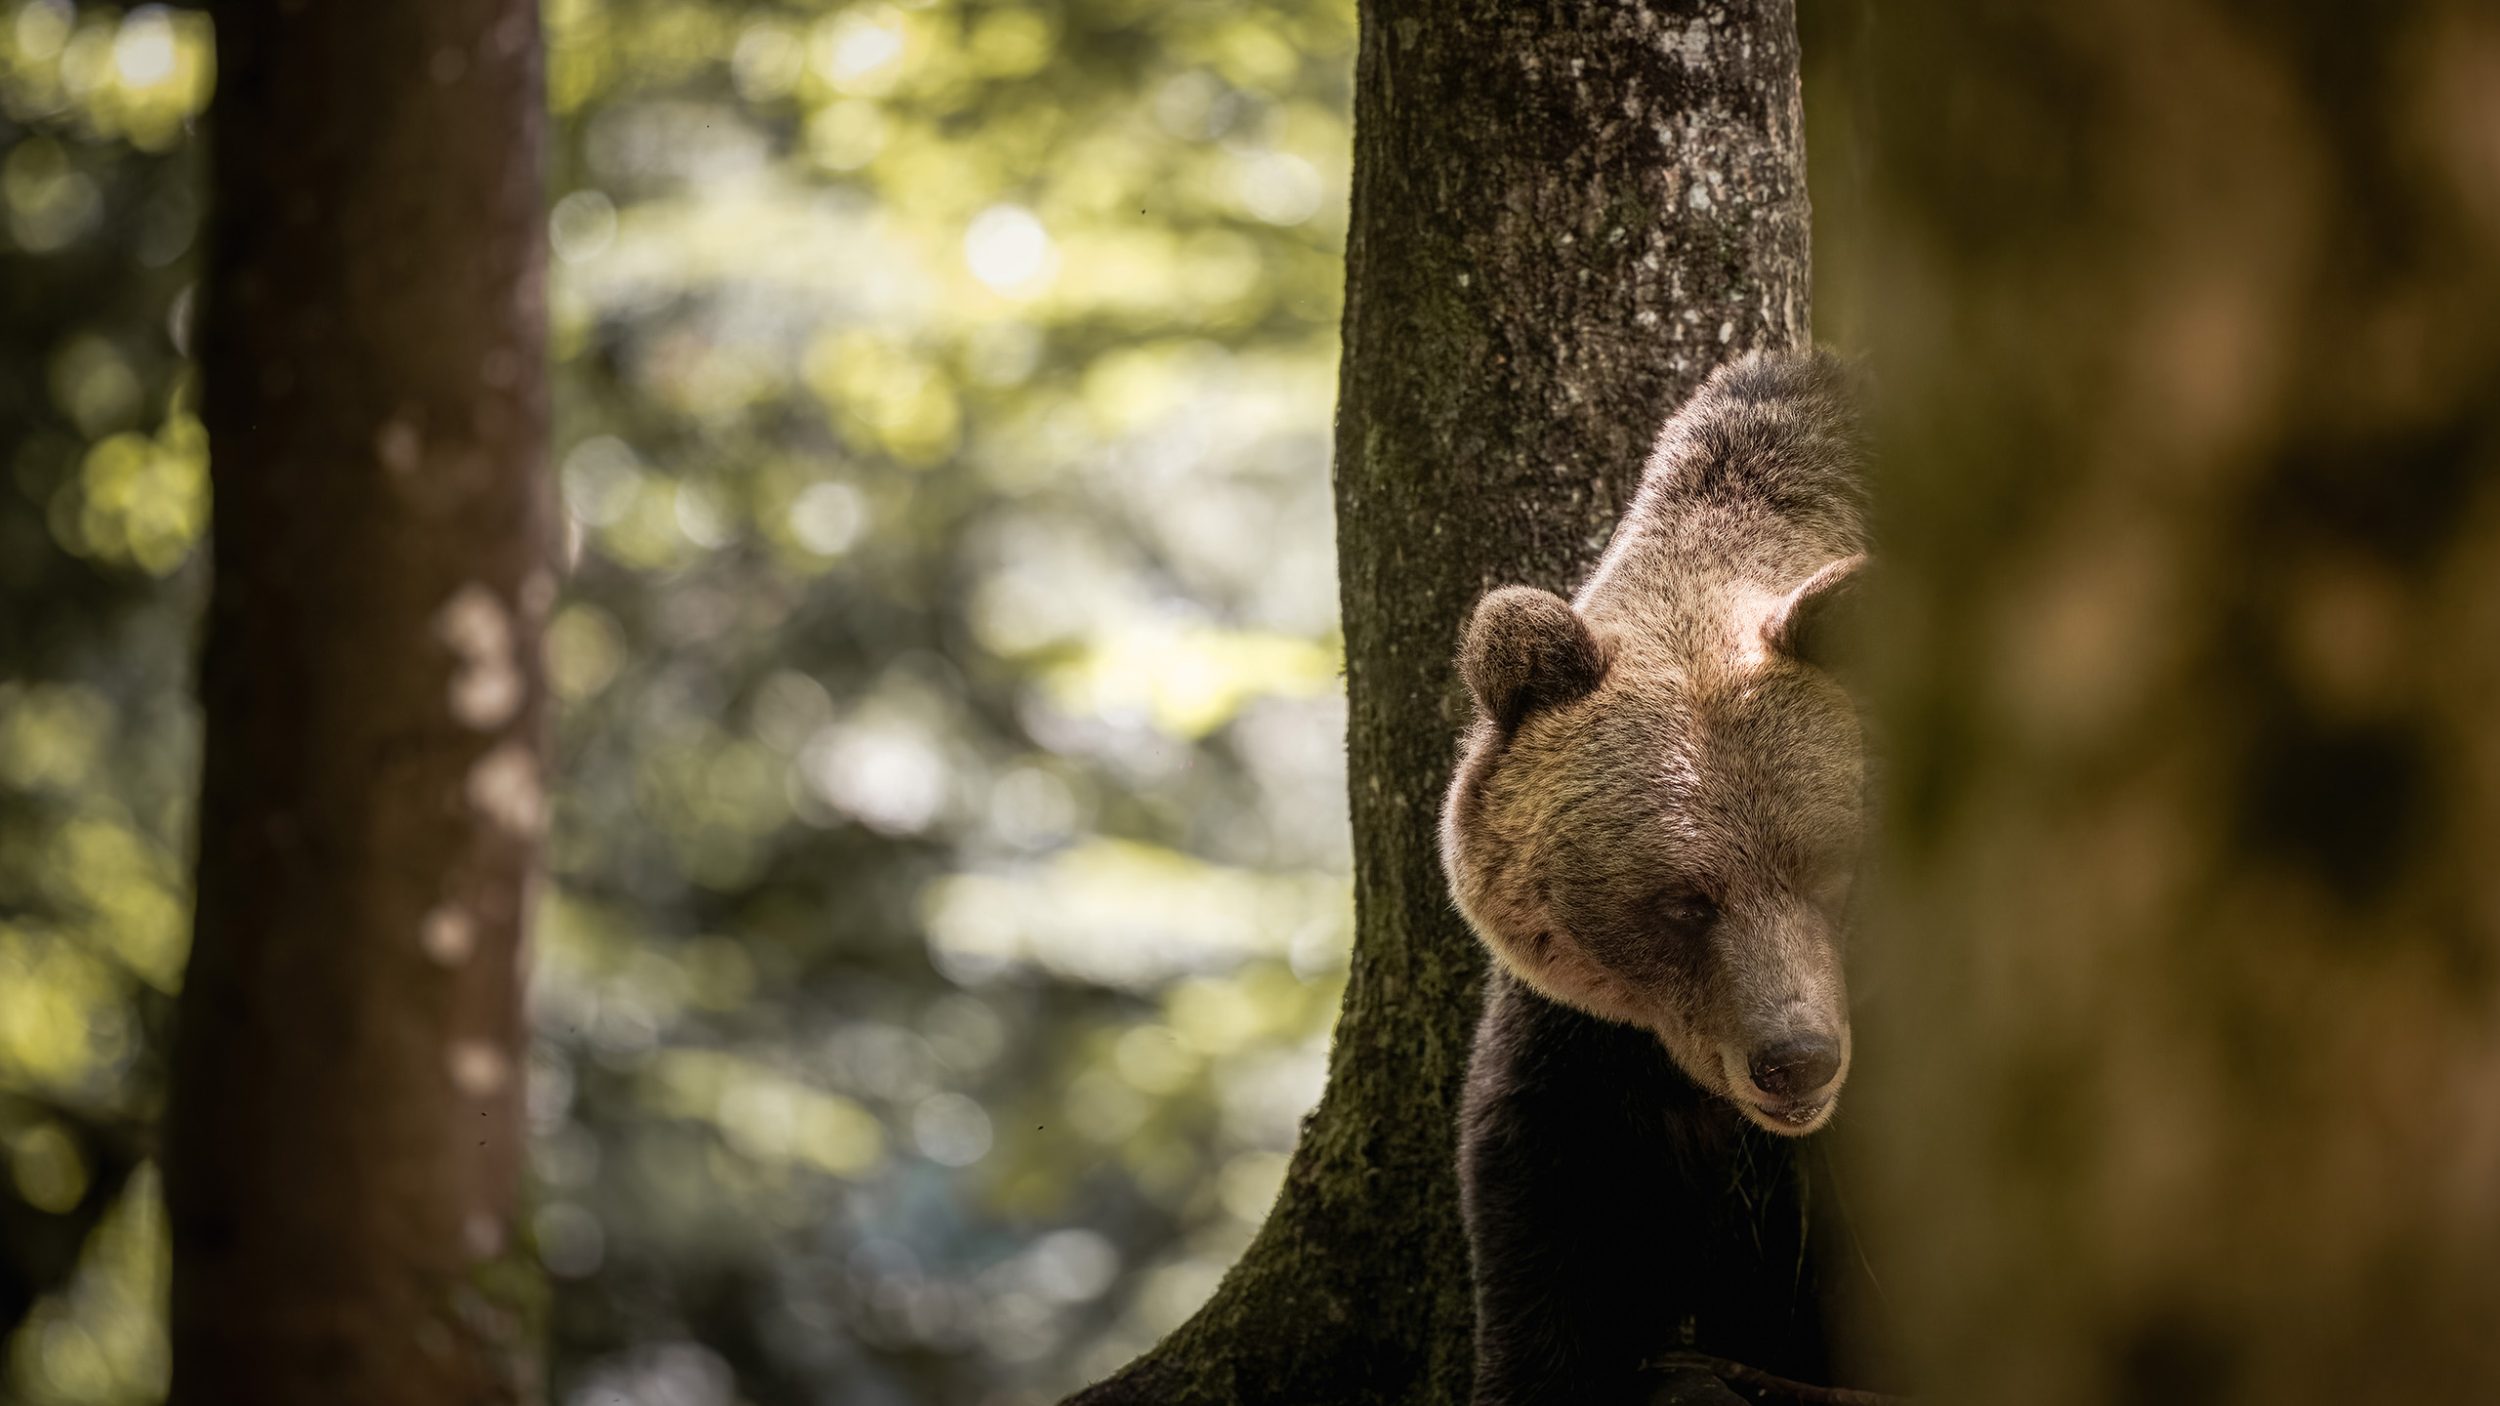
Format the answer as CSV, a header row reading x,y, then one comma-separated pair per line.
x,y
1618,1212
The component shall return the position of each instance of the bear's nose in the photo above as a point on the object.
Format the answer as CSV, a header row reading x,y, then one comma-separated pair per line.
x,y
1795,1068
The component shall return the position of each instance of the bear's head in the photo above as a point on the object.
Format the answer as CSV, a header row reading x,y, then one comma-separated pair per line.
x,y
1656,819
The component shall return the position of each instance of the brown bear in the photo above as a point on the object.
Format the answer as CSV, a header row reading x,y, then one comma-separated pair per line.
x,y
1654,827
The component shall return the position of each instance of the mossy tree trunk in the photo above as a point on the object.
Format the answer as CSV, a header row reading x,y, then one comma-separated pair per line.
x,y
1564,216
344,1139
2189,314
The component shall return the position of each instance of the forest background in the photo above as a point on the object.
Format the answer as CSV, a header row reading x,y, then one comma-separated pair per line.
x,y
949,896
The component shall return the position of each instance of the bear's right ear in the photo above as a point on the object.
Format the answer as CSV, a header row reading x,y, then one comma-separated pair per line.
x,y
1818,624
1527,649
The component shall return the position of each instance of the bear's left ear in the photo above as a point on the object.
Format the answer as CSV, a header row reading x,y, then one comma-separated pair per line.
x,y
1527,649
1817,624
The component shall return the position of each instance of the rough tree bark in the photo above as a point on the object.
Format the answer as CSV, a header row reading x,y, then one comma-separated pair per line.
x,y
344,1137
1564,216
2189,311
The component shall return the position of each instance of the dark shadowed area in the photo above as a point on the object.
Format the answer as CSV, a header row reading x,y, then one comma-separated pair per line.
x,y
2182,1084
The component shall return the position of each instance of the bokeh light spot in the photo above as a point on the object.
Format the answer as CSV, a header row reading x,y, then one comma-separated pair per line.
x,y
1008,249
951,1130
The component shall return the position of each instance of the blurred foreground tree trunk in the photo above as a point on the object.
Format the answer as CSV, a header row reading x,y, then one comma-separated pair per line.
x,y
344,1142
1564,217
2190,316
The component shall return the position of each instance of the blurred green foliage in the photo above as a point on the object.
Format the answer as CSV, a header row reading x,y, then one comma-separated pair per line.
x,y
949,894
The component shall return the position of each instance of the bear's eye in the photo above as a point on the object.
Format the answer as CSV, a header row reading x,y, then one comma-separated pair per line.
x,y
1684,910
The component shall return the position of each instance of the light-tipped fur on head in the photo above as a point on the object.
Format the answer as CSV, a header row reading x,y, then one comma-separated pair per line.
x,y
1656,815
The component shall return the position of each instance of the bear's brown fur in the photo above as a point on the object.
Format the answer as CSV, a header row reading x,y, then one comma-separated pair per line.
x,y
1654,827
1656,815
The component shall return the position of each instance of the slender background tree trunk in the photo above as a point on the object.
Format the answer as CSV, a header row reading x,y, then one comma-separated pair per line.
x,y
344,1142
2190,314
1564,216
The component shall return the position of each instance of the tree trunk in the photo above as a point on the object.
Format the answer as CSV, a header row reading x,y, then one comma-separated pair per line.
x,y
344,1141
1564,216
2183,1087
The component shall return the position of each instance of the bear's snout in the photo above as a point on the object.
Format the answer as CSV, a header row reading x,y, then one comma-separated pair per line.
x,y
1795,1070
1789,1081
